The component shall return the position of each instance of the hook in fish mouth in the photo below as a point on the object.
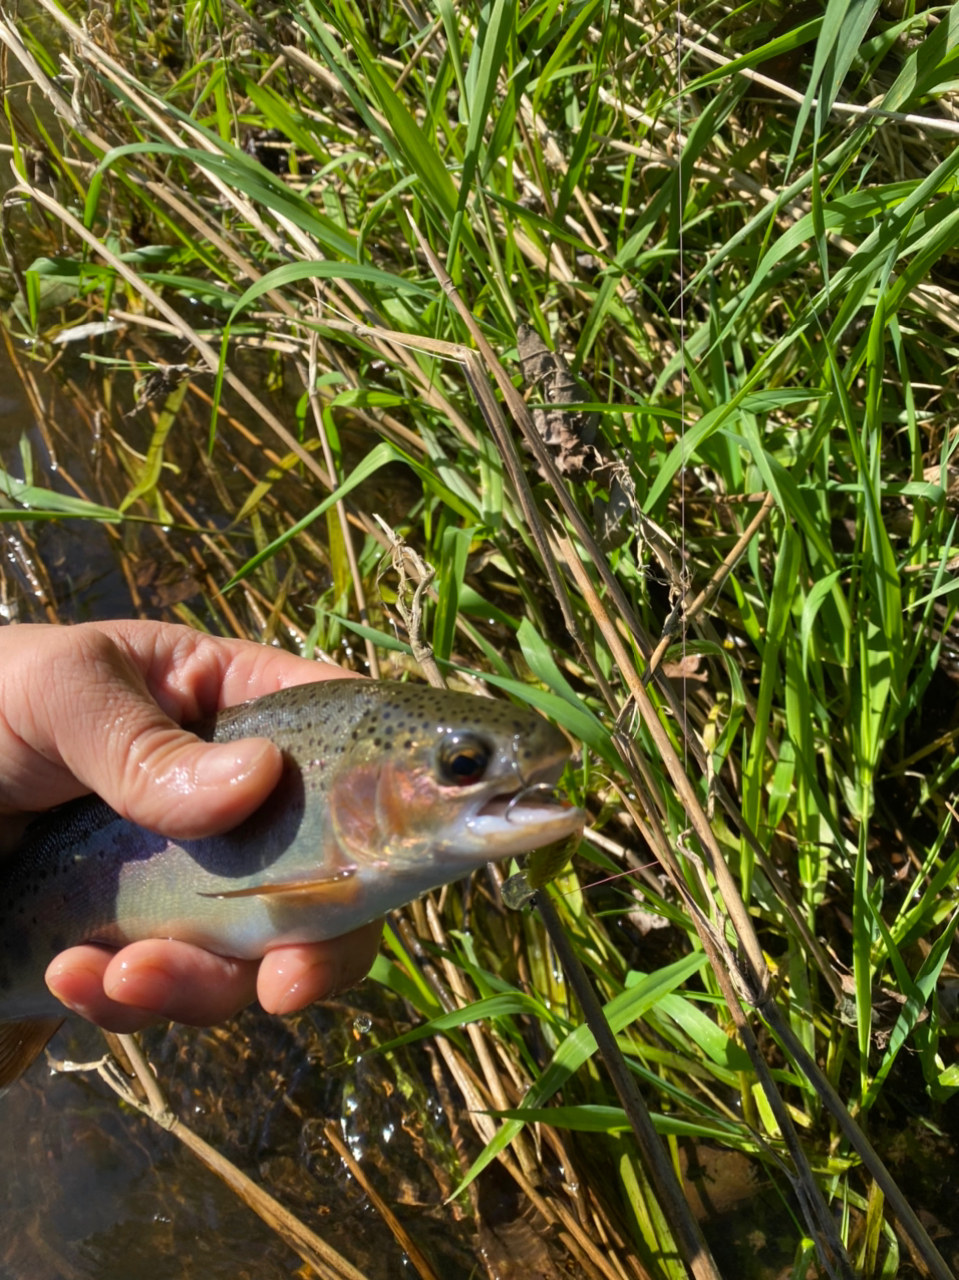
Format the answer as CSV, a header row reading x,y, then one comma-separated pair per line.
x,y
526,811
534,803
546,790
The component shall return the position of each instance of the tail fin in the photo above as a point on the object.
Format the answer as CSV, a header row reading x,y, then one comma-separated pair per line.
x,y
20,1043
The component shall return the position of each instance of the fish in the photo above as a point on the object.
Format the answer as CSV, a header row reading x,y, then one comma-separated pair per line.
x,y
387,790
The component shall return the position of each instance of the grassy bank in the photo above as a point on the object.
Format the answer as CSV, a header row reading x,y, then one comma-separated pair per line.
x,y
323,257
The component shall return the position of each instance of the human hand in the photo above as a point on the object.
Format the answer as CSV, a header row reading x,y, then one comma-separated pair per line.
x,y
97,707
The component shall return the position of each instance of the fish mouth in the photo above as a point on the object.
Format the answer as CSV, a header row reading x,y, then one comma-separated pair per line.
x,y
526,816
533,803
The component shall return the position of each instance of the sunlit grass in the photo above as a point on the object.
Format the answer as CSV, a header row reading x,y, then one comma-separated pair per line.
x,y
756,295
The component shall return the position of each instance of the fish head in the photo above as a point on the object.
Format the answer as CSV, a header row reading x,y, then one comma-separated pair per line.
x,y
432,773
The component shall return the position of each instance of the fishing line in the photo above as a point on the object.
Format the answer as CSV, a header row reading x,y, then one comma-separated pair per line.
x,y
620,875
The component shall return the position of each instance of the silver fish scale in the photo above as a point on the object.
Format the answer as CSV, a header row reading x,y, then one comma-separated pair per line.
x,y
84,873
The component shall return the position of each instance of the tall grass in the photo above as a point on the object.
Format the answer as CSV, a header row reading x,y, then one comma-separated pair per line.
x,y
739,229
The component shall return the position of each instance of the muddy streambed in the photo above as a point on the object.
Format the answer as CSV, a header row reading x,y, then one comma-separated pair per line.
x,y
92,1189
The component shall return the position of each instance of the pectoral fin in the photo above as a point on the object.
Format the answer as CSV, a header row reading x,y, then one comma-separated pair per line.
x,y
338,887
20,1043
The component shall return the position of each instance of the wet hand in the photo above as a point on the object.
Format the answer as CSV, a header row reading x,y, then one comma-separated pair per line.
x,y
125,990
98,707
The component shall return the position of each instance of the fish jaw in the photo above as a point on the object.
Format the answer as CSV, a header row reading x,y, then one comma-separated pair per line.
x,y
396,814
509,826
518,819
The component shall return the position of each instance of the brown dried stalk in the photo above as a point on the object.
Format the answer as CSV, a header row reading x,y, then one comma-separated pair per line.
x,y
144,1094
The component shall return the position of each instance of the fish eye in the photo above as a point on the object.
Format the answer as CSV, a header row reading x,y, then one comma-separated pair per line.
x,y
462,759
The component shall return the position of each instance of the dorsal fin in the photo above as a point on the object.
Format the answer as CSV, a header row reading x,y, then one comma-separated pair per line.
x,y
20,1043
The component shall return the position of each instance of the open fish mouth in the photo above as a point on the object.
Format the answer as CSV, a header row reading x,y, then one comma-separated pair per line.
x,y
532,813
536,802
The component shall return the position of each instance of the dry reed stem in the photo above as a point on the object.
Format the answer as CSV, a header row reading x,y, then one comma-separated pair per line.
x,y
409,1246
929,124
403,558
754,984
720,575
148,1099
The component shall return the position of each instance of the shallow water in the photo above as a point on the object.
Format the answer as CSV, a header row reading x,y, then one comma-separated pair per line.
x,y
91,1189
68,568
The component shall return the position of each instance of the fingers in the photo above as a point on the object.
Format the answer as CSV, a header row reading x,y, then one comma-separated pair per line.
x,y
125,990
98,707
166,780
192,675
292,977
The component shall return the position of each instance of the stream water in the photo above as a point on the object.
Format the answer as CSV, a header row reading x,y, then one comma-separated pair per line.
x,y
90,1188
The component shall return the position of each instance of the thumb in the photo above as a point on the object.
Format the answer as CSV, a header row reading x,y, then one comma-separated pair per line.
x,y
109,732
171,782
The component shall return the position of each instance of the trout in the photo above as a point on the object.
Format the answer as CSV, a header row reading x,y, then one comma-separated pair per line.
x,y
387,791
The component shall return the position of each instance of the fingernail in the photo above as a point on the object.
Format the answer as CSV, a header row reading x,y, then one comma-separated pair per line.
x,y
230,762
76,979
78,1007
319,982
145,986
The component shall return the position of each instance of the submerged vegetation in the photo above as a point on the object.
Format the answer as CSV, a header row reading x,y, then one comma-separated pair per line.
x,y
300,271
